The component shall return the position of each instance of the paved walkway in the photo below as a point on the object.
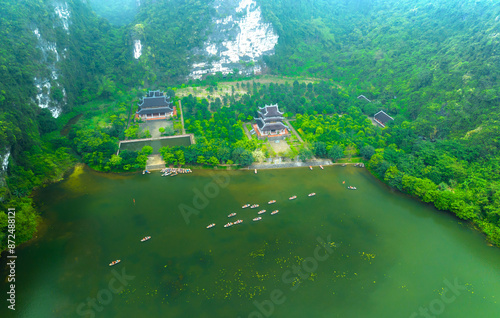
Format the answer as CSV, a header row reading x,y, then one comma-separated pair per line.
x,y
154,127
293,130
155,162
182,118
293,164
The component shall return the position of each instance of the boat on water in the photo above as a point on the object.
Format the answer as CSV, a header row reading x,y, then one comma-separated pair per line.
x,y
231,215
245,206
257,218
292,198
310,167
351,188
144,239
210,226
238,222
228,224
271,202
261,211
254,206
115,262
311,194
274,212
166,174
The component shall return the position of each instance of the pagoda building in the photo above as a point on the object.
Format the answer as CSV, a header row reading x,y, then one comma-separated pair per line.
x,y
155,106
382,118
270,122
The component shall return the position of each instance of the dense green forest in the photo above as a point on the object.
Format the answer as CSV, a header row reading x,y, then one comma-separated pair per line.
x,y
37,153
433,66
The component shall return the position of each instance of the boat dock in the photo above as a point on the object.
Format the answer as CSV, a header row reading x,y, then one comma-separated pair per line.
x,y
174,171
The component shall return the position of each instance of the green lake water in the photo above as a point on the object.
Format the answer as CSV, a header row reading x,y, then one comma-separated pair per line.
x,y
371,252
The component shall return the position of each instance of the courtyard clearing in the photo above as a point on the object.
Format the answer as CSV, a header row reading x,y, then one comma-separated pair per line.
x,y
154,126
279,146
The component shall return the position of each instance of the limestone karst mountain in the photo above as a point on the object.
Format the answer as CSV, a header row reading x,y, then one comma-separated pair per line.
x,y
239,39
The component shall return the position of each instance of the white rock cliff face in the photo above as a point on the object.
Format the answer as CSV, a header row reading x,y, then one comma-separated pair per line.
x,y
51,58
239,40
137,49
5,159
62,11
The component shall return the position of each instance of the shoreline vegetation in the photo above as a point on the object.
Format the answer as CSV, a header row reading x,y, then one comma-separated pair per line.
x,y
334,136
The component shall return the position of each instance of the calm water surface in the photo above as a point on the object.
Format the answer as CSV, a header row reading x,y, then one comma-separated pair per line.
x,y
342,253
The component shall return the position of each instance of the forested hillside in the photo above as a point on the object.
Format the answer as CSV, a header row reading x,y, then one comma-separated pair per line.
x,y
432,65
53,55
169,30
433,62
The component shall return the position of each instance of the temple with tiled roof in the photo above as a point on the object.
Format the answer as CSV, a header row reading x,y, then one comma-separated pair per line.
x,y
155,106
382,118
270,122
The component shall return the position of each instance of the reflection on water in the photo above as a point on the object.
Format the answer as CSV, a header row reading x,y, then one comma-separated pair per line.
x,y
363,253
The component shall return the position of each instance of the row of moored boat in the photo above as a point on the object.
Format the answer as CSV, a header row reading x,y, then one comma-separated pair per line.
x,y
253,206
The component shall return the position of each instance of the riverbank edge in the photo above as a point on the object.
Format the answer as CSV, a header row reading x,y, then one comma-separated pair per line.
x,y
41,226
258,166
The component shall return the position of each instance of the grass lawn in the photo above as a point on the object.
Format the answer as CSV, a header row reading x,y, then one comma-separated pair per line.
x,y
231,87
